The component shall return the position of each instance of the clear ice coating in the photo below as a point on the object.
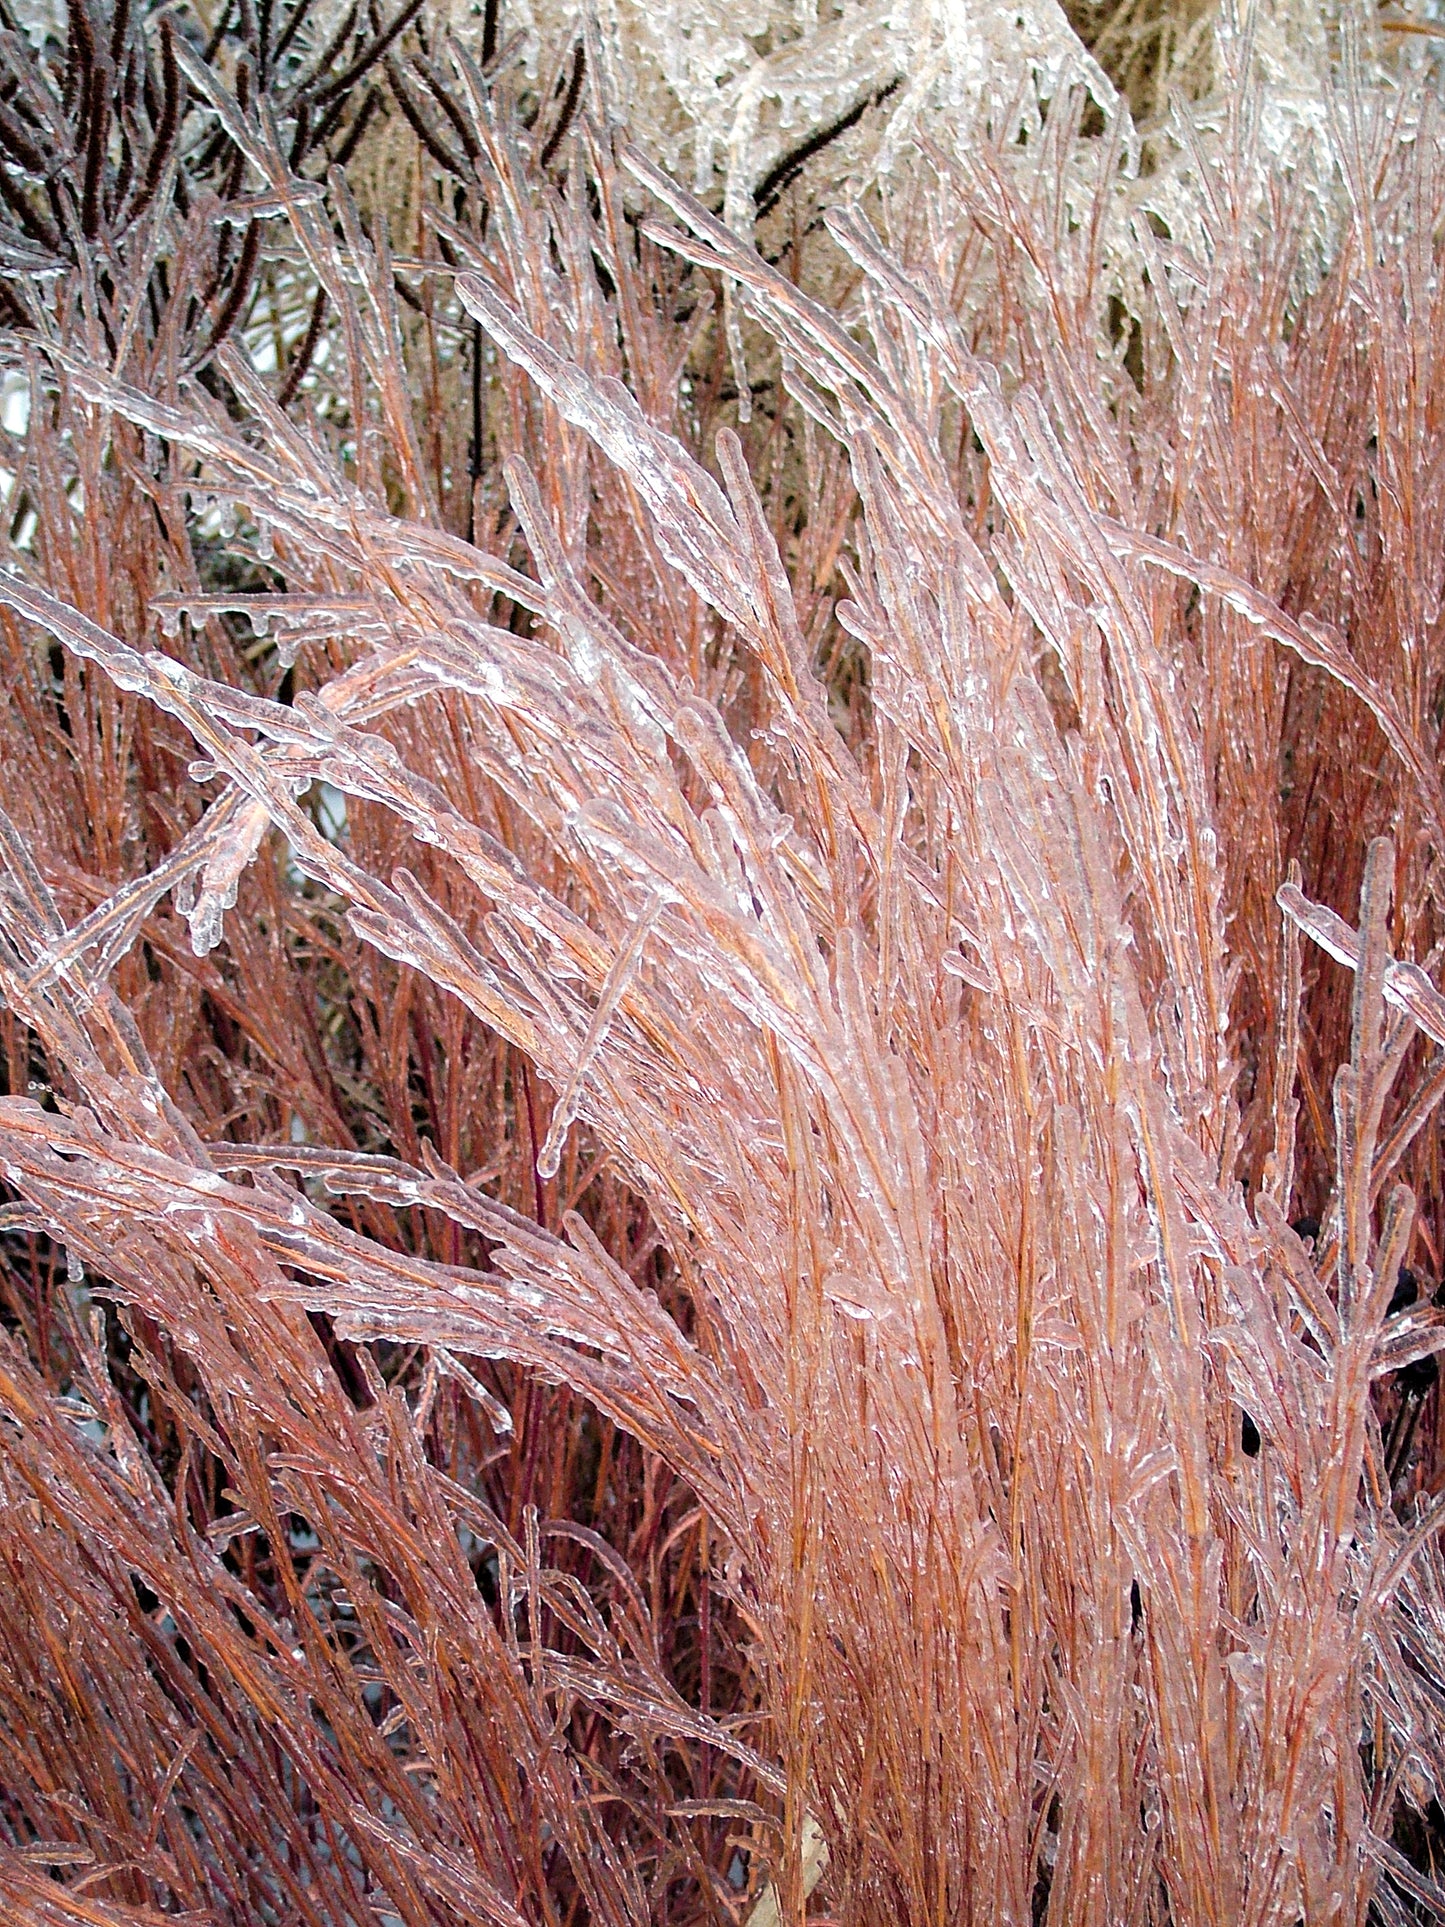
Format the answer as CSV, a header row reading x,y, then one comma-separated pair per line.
x,y
614,988
221,875
799,992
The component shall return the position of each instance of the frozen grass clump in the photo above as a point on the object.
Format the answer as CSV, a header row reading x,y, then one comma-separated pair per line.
x,y
722,1197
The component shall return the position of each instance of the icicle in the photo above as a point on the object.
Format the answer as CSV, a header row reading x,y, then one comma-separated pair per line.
x,y
221,877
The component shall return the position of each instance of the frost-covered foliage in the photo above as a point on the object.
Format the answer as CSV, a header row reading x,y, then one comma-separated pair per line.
x,y
722,1188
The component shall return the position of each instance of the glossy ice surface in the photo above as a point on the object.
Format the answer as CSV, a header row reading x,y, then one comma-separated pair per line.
x,y
649,1155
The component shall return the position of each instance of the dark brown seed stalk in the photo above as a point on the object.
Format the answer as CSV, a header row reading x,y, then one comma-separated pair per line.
x,y
218,32
372,52
301,360
169,121
98,133
293,26
450,107
18,144
770,189
430,139
301,138
330,121
330,52
236,298
119,28
569,106
115,199
474,463
80,57
358,127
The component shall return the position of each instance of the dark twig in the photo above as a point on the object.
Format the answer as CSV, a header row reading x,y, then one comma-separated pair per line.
x,y
1415,1382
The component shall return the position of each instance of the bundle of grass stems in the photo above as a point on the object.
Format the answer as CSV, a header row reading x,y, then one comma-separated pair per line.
x,y
722,914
